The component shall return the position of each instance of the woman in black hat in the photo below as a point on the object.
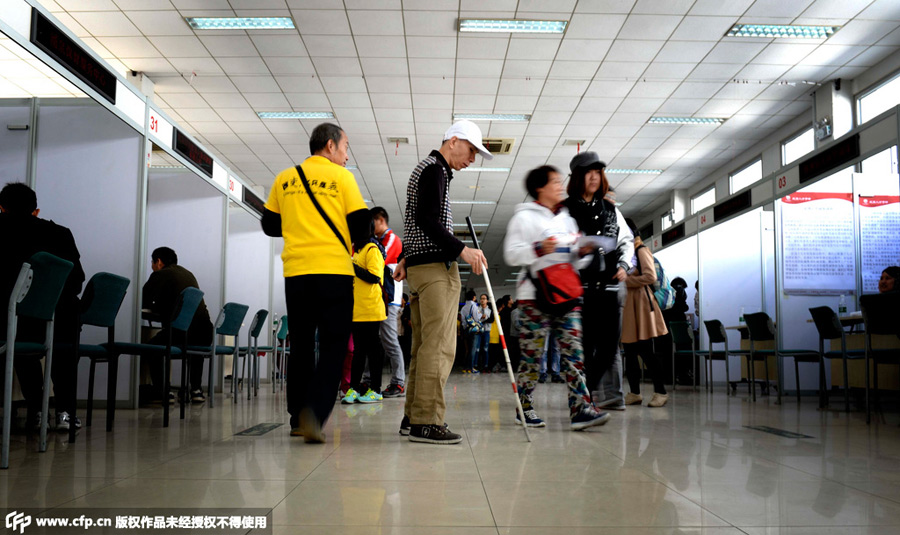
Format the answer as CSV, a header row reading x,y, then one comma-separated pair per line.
x,y
597,216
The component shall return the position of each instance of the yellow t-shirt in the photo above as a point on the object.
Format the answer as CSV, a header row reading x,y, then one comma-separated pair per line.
x,y
495,332
368,304
310,246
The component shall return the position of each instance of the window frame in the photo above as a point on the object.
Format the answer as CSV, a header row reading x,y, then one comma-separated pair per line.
x,y
739,170
794,137
857,109
694,209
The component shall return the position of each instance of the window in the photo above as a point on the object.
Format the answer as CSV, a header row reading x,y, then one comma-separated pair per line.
x,y
703,200
742,178
879,100
665,220
797,146
646,231
885,162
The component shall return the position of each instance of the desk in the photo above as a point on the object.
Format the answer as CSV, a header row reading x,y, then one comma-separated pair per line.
x,y
888,374
760,370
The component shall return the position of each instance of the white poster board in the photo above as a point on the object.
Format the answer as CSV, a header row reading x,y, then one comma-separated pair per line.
x,y
879,221
818,243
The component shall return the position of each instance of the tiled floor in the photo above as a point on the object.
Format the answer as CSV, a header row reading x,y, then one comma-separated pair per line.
x,y
690,467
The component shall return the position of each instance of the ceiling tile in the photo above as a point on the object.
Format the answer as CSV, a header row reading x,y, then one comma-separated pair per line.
x,y
591,26
476,47
649,27
720,72
322,22
328,46
583,49
376,22
160,22
384,67
565,88
268,101
432,67
477,86
337,66
720,7
731,52
388,84
226,100
248,65
349,100
229,45
150,66
634,50
343,84
573,70
832,55
862,32
617,70
703,28
532,49
180,46
430,24
525,68
196,66
130,47
605,88
382,47
105,24
653,89
881,10
286,65
279,45
308,101
479,67
777,8
87,5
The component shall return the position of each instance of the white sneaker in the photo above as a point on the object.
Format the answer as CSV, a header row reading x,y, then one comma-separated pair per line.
x,y
63,421
658,400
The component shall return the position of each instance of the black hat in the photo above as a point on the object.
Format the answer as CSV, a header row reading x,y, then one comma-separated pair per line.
x,y
587,160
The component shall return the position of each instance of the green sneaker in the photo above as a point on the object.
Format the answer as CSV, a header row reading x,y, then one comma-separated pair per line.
x,y
351,397
370,397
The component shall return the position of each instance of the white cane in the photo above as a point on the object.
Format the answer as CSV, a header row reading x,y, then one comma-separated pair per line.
x,y
509,370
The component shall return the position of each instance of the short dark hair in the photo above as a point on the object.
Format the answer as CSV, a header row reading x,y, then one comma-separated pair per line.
x,y
17,198
482,295
893,272
632,227
576,183
166,254
378,211
318,140
538,178
470,294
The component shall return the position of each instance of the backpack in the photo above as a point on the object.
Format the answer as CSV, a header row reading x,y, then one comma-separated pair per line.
x,y
470,324
387,286
662,290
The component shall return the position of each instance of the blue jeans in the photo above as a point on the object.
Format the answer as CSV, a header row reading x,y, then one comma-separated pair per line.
x,y
550,356
478,342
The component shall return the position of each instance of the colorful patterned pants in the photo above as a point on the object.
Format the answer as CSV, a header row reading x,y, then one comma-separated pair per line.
x,y
533,327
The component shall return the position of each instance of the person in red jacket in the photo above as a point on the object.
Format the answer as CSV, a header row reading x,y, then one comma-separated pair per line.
x,y
389,338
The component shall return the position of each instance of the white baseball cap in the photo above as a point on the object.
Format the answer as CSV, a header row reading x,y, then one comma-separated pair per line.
x,y
470,132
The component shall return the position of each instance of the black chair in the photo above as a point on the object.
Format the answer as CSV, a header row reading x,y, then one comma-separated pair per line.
x,y
762,330
881,314
716,333
185,308
683,334
829,326
100,304
227,324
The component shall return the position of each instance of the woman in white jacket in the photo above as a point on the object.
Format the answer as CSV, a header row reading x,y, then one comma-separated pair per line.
x,y
541,234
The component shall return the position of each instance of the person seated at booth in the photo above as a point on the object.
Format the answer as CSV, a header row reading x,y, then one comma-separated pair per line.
x,y
890,280
160,294
22,234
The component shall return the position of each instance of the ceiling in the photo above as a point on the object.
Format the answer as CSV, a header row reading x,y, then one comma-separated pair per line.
x,y
389,68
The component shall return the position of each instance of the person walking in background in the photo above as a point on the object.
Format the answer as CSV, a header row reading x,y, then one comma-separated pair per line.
x,y
541,235
598,217
642,324
318,209
389,334
470,329
433,274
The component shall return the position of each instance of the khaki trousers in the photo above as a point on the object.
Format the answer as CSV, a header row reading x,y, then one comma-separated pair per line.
x,y
434,303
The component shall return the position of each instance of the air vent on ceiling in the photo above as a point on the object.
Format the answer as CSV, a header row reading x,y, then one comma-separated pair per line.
x,y
466,234
573,142
497,145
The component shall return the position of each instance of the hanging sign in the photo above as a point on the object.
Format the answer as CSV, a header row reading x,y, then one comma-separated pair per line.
x,y
732,206
817,243
830,158
673,235
46,36
162,130
190,150
253,202
235,188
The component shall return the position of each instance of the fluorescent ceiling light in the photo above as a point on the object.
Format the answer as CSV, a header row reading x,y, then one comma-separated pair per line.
x,y
473,224
167,167
687,120
633,171
352,167
517,117
473,202
779,30
511,280
367,200
512,26
240,23
486,169
295,115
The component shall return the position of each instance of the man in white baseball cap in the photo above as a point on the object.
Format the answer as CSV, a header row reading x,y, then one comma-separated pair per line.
x,y
429,265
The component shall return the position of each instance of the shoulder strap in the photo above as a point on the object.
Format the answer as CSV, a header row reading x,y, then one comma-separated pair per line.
x,y
315,202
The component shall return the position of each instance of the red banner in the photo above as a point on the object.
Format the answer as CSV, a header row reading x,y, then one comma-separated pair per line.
x,y
878,200
799,198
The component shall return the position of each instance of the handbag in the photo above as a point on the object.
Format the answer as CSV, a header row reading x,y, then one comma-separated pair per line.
x,y
558,288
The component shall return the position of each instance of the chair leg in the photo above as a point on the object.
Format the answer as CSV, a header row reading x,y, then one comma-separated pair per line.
x,y
183,391
753,376
875,385
868,409
248,366
823,402
847,384
112,381
213,379
45,403
797,378
165,394
7,410
234,377
90,400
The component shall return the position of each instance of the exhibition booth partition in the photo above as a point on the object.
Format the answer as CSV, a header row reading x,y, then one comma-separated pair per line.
x,y
126,179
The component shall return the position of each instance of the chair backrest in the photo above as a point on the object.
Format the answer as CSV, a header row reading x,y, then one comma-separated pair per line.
x,y
760,326
230,319
282,327
102,299
259,319
185,308
48,277
716,332
827,323
681,332
881,313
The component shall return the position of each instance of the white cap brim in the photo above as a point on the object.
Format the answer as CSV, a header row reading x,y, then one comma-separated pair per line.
x,y
483,151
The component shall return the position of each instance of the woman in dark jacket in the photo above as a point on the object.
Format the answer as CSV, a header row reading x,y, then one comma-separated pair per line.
x,y
599,217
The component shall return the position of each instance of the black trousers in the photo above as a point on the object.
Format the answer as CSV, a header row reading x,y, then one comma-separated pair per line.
x,y
601,327
317,305
647,351
367,345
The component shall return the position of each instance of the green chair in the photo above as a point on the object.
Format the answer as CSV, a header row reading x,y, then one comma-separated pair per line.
x,y
253,349
716,333
829,326
185,308
279,363
227,324
683,334
34,295
881,314
761,330
100,304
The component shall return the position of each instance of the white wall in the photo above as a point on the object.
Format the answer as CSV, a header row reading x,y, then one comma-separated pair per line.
x,y
87,177
14,143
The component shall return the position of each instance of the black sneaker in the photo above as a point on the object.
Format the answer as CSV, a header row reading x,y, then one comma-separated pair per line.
x,y
197,396
588,416
394,391
433,434
556,378
404,426
543,378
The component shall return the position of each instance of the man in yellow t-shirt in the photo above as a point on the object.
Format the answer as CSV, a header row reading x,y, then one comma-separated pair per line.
x,y
317,270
